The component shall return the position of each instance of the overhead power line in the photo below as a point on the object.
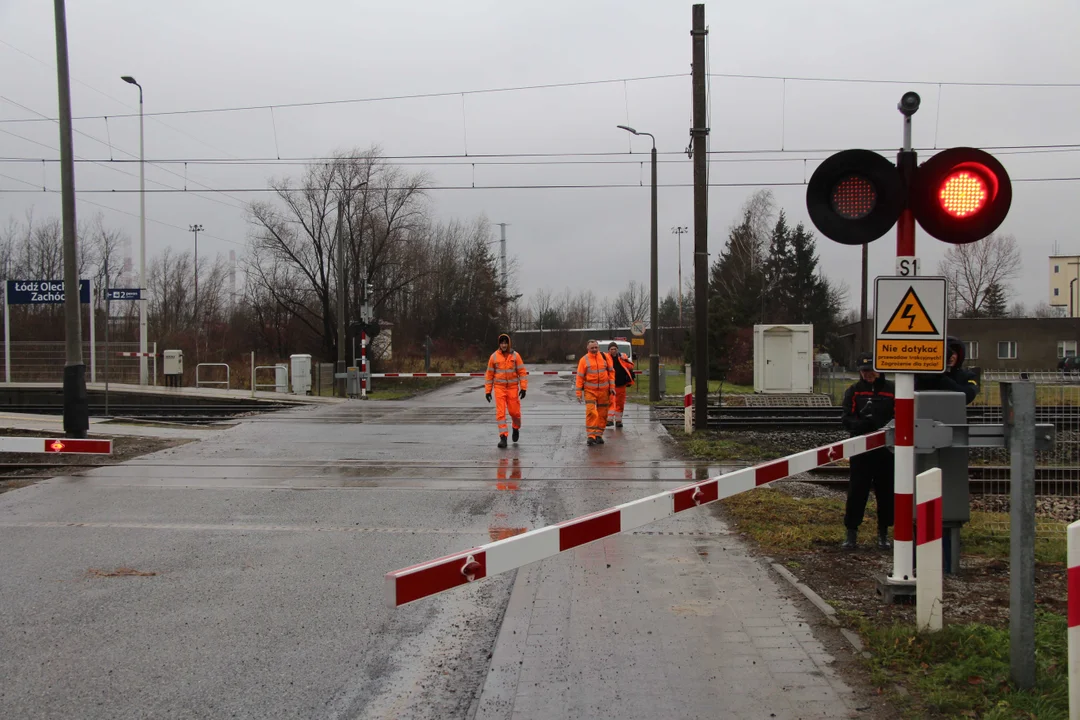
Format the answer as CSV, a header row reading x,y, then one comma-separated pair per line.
x,y
552,186
558,85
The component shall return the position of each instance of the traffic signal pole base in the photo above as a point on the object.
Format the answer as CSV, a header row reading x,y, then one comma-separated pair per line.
x,y
76,402
893,591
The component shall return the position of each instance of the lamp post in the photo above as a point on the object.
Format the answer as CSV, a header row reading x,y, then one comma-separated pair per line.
x,y
196,229
142,239
654,350
679,232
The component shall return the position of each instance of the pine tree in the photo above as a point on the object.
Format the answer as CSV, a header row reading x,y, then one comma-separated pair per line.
x,y
995,303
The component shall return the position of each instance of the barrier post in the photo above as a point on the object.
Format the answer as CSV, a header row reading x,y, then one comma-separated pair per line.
x,y
252,373
1073,585
688,403
364,374
928,551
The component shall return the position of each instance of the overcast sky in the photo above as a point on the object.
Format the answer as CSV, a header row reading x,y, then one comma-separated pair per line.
x,y
199,55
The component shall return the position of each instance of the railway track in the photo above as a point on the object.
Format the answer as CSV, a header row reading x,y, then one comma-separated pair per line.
x,y
1064,417
189,414
1058,481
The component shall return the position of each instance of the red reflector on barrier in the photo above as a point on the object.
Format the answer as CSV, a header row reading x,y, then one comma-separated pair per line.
x,y
93,447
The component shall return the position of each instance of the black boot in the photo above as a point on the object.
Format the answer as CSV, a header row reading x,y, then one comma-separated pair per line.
x,y
516,435
502,441
851,541
883,539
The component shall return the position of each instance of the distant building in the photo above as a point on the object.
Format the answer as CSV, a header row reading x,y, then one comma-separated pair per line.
x,y
1004,343
1065,285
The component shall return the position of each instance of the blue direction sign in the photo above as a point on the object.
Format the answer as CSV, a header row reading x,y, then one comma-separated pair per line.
x,y
42,292
123,294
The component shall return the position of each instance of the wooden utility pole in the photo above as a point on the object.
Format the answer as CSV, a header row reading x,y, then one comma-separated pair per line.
x,y
698,133
340,383
76,403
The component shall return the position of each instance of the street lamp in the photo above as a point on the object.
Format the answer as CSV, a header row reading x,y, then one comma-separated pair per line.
x,y
654,350
196,229
142,239
679,232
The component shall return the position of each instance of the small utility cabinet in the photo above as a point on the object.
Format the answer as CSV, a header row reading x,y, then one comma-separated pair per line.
x,y
173,363
783,358
301,374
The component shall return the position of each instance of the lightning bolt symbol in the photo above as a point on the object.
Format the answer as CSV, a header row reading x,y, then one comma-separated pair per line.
x,y
906,315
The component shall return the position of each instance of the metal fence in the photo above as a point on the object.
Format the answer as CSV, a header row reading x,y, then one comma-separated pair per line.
x,y
1057,474
34,361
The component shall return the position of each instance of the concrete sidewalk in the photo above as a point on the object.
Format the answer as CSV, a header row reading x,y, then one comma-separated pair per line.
x,y
677,623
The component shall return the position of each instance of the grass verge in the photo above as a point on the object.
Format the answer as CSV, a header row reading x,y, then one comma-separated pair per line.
x,y
777,521
963,670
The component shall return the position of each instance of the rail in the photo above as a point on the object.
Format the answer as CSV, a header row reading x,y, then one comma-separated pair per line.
x,y
200,383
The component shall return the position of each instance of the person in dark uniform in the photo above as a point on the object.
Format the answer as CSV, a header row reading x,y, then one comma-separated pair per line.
x,y
956,377
868,406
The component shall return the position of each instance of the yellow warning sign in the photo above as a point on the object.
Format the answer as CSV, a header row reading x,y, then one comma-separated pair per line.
x,y
637,341
909,356
910,318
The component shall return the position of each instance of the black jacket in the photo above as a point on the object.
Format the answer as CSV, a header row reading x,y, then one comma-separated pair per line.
x,y
868,406
956,379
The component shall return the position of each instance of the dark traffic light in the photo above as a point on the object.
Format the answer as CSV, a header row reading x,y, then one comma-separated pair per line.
x,y
959,195
855,196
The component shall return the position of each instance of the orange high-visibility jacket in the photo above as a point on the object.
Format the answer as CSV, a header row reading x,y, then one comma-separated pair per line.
x,y
505,370
627,365
595,375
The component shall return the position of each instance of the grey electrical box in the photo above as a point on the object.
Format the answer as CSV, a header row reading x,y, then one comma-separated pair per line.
x,y
352,381
174,362
949,408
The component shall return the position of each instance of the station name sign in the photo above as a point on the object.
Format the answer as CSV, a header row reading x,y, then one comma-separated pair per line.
x,y
42,292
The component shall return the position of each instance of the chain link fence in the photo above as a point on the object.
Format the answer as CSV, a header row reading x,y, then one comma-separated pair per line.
x,y
1057,471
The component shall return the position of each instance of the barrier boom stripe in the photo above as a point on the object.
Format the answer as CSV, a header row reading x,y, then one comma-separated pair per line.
x,y
445,573
55,445
136,354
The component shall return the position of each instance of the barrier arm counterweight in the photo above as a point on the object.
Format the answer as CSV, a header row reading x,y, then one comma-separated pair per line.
x,y
436,576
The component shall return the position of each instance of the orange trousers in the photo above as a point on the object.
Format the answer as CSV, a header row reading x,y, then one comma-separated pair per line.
x,y
618,403
596,412
506,399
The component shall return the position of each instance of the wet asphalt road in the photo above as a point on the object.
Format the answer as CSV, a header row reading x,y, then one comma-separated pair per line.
x,y
268,543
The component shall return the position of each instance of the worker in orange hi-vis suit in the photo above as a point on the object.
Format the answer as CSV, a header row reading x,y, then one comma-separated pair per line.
x,y
624,378
507,378
595,387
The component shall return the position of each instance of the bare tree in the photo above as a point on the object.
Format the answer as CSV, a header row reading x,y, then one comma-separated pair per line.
x,y
1044,310
974,267
631,304
542,306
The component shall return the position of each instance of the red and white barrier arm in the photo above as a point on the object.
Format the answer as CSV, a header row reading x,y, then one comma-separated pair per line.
x,y
55,445
469,374
1073,591
436,576
928,583
136,354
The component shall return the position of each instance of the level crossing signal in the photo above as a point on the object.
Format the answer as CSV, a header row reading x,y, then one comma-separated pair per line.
x,y
959,195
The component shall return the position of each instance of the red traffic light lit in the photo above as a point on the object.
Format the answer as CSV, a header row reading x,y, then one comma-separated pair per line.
x,y
854,197
961,195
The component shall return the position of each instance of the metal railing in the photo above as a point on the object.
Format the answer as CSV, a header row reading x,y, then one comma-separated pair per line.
x,y
275,385
200,383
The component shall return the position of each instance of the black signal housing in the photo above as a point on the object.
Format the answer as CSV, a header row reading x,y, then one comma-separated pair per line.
x,y
961,195
855,196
